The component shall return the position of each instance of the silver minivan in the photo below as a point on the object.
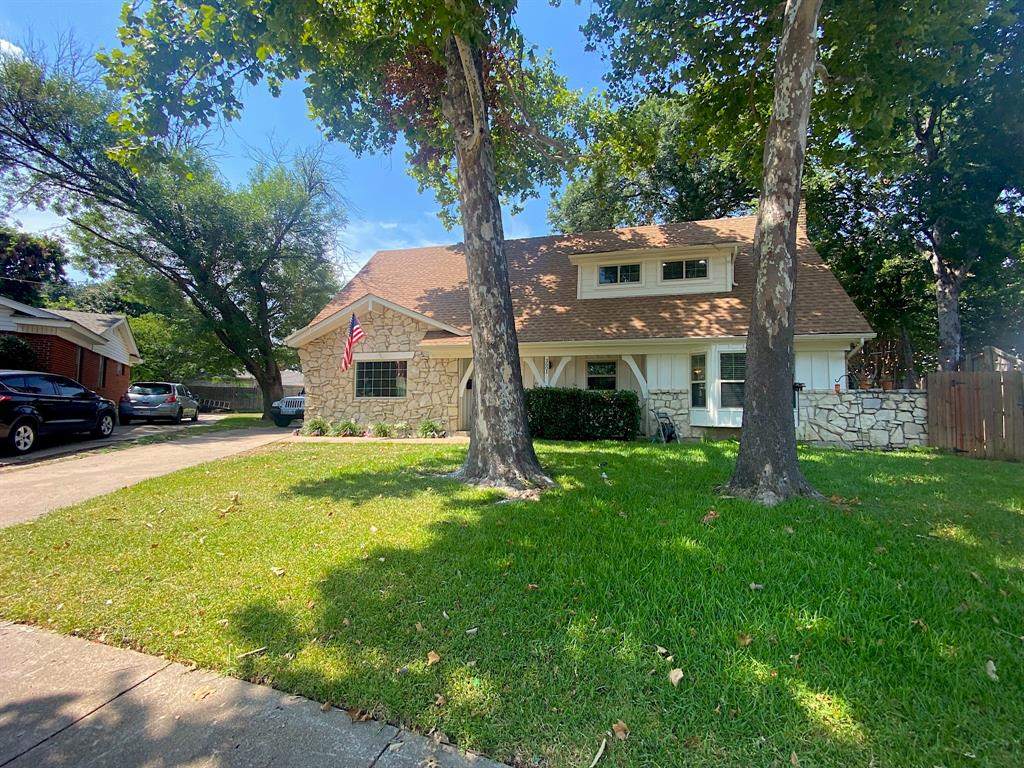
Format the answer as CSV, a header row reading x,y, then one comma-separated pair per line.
x,y
151,400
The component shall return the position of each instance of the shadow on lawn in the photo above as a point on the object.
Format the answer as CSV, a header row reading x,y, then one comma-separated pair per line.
x,y
546,616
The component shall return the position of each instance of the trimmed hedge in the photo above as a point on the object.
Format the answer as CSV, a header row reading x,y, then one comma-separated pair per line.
x,y
557,413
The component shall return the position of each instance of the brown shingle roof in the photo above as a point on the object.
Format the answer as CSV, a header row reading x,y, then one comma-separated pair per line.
x,y
432,281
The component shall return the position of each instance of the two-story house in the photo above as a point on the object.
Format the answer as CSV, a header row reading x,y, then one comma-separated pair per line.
x,y
661,310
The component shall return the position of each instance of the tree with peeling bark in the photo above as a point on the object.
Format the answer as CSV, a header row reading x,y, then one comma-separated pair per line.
x,y
924,94
483,117
766,468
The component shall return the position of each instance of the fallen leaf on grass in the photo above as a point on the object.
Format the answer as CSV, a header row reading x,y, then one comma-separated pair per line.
x,y
920,624
710,517
794,760
440,701
990,670
531,587
345,622
663,652
222,622
311,604
325,707
621,730
433,658
277,571
179,632
692,742
744,640
755,587
472,631
788,529
419,627
675,676
600,753
357,715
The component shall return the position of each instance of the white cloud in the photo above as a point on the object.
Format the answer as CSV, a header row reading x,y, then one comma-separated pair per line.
x,y
7,48
362,238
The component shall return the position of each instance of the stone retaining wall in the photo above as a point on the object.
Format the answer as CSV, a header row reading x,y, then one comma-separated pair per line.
x,y
855,419
864,418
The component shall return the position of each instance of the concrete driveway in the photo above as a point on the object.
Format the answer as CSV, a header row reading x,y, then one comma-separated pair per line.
x,y
67,445
28,491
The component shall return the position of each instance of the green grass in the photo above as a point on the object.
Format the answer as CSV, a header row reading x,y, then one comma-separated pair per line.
x,y
870,636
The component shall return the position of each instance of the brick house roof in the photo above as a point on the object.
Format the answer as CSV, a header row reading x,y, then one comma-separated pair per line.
x,y
432,282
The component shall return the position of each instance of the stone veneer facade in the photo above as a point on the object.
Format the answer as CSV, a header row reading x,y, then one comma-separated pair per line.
x,y
854,419
430,390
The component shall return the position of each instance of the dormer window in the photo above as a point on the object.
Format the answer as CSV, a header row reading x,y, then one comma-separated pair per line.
x,y
618,273
687,269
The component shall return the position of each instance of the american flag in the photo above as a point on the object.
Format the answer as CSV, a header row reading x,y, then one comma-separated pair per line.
x,y
355,335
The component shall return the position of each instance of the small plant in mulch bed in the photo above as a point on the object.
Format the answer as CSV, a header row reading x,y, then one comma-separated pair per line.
x,y
403,429
430,428
382,429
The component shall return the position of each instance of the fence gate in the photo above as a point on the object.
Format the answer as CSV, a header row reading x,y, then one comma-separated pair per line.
x,y
981,414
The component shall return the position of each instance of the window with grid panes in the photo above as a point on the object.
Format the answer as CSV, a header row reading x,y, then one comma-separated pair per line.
x,y
381,378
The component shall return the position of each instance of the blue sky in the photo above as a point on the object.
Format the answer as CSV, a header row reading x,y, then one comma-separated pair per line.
x,y
385,210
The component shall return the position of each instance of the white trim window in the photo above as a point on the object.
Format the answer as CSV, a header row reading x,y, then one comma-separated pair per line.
x,y
382,379
602,374
614,274
698,381
684,269
732,375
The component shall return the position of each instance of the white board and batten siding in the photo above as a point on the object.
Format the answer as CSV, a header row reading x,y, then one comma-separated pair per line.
x,y
821,369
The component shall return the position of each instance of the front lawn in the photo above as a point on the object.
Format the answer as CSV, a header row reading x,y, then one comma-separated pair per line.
x,y
856,632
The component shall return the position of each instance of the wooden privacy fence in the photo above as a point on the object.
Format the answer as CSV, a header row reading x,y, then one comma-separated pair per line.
x,y
981,414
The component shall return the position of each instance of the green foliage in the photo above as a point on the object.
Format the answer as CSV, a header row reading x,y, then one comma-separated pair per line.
x,y
177,349
642,166
382,429
430,428
255,260
346,428
557,413
29,265
16,353
372,72
403,429
318,427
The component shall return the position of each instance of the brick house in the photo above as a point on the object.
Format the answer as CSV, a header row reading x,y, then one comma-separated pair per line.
x,y
661,310
96,349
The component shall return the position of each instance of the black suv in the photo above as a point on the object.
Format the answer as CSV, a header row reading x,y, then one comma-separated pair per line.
x,y
34,404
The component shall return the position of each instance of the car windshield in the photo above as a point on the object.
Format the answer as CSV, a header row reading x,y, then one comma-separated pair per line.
x,y
150,389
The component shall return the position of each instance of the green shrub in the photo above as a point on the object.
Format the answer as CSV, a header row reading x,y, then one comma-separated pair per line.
x,y
16,353
403,429
382,429
346,428
431,428
317,427
556,413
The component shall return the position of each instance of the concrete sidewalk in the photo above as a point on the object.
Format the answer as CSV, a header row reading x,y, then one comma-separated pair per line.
x,y
65,701
30,491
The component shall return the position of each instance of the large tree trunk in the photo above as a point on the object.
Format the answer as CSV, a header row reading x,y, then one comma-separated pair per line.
x,y
500,451
947,300
269,381
766,469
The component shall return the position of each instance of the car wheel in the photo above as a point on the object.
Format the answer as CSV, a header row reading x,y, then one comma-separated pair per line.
x,y
195,416
281,421
105,426
177,416
22,437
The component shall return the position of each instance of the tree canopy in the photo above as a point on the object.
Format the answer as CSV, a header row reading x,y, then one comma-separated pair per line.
x,y
256,261
641,165
29,264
